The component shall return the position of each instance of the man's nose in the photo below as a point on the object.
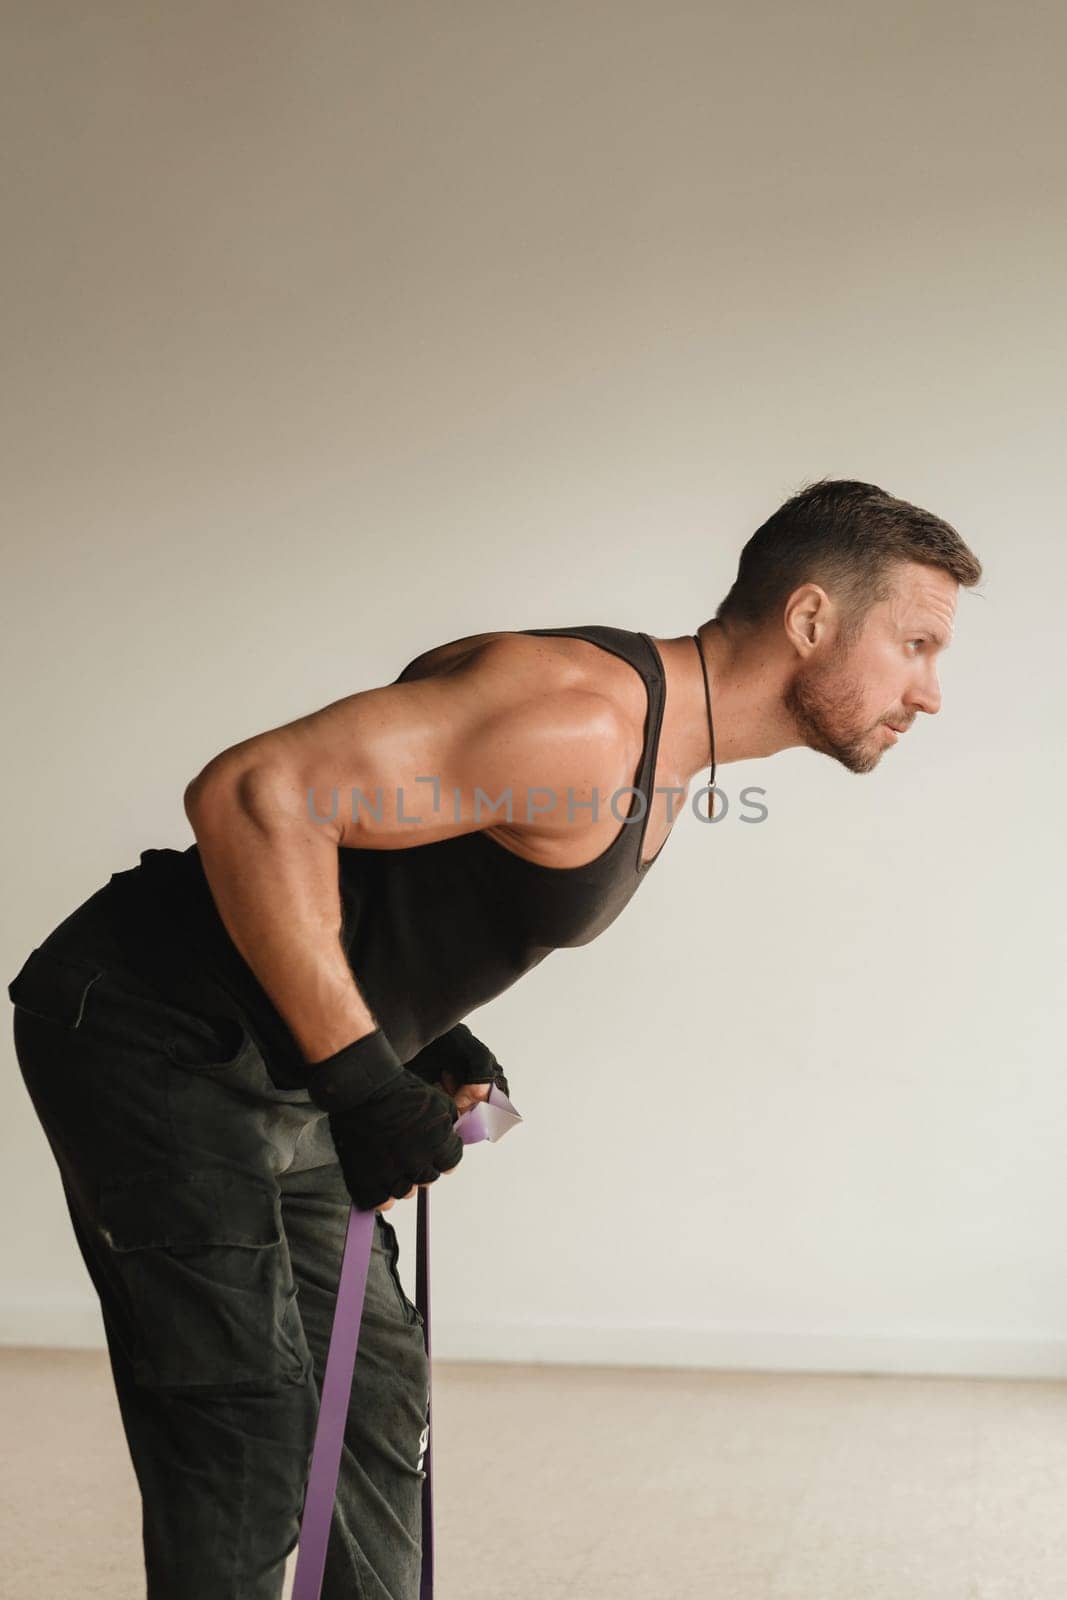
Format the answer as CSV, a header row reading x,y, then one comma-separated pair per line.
x,y
925,696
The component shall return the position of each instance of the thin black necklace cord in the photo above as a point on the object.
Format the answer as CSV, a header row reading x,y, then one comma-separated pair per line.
x,y
711,726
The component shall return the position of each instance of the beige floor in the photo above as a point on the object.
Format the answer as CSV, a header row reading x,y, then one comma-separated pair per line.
x,y
605,1484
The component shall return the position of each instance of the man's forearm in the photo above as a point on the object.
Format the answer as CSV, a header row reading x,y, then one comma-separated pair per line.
x,y
273,874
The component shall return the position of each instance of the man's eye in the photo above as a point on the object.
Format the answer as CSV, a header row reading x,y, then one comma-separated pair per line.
x,y
916,641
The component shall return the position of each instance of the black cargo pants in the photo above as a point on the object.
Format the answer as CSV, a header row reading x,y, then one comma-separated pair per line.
x,y
211,1214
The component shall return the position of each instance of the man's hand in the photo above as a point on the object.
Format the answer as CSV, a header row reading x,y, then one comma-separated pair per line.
x,y
463,1067
400,1138
460,1062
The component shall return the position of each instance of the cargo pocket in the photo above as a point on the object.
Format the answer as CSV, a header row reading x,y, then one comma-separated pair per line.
x,y
54,987
208,1282
210,1044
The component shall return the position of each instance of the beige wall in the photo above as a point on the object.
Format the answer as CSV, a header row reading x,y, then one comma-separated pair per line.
x,y
333,331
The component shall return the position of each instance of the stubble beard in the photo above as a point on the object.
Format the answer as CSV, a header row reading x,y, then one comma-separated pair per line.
x,y
827,707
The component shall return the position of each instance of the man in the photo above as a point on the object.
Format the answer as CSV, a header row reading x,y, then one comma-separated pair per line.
x,y
227,1044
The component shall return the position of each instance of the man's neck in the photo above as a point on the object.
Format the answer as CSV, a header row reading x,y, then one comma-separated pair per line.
x,y
746,682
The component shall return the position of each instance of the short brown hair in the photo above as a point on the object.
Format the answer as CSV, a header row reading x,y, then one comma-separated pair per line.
x,y
846,536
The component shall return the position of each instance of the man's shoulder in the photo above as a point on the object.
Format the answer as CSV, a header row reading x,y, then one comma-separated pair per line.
x,y
557,685
541,713
571,713
544,662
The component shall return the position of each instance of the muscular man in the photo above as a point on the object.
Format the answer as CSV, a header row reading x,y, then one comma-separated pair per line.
x,y
228,1044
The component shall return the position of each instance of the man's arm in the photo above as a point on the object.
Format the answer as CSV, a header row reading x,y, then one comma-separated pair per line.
x,y
273,870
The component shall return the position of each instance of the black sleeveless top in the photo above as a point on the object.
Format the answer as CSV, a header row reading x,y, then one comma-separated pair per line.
x,y
430,931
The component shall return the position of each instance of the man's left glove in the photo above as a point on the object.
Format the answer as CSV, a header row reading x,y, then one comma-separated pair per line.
x,y
463,1057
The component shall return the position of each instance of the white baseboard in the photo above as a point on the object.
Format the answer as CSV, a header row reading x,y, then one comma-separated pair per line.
x,y
74,1323
62,1322
755,1350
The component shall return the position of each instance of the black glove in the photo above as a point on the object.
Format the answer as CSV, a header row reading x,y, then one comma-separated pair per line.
x,y
465,1059
390,1129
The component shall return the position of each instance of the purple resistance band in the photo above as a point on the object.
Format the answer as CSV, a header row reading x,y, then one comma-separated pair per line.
x,y
489,1119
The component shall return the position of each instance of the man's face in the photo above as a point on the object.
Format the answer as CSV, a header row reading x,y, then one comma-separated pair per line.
x,y
846,703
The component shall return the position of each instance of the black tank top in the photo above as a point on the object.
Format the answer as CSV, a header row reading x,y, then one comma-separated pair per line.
x,y
430,931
